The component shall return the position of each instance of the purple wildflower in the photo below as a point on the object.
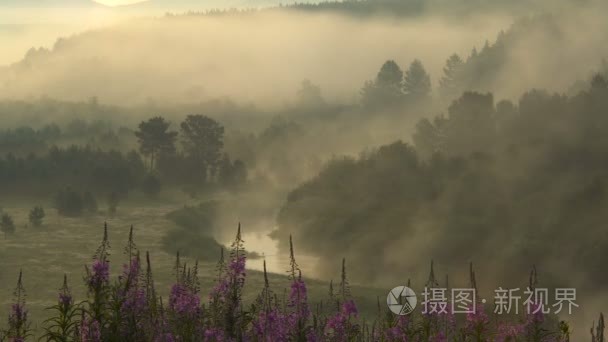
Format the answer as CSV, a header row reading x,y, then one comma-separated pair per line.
x,y
65,295
508,332
339,327
271,326
90,330
184,302
215,335
298,302
17,319
477,322
100,274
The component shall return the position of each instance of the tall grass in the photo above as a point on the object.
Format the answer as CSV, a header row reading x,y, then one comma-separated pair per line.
x,y
128,308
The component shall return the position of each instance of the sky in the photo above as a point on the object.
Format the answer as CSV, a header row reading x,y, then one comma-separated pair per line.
x,y
118,2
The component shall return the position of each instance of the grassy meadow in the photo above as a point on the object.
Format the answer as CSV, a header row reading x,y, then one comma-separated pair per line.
x,y
65,245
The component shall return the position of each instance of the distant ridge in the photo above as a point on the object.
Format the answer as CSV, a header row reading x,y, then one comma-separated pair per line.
x,y
201,5
50,4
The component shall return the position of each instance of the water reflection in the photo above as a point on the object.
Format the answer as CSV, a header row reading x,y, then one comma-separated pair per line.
x,y
276,261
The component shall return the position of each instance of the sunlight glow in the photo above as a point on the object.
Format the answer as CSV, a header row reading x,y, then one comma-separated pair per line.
x,y
118,2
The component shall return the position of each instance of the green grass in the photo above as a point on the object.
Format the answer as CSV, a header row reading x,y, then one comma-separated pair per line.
x,y
64,245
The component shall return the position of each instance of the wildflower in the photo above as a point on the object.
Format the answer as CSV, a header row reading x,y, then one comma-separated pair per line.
x,y
508,332
90,330
339,327
65,295
100,274
184,302
477,321
17,319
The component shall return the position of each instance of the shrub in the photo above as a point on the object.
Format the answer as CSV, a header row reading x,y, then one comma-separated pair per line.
x,y
89,203
69,203
113,200
151,186
7,225
36,216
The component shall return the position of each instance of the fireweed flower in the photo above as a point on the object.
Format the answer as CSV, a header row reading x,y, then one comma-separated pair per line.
x,y
339,327
134,299
100,275
167,337
509,332
298,302
271,325
216,335
477,322
65,299
130,311
65,295
90,330
17,318
533,324
184,302
535,314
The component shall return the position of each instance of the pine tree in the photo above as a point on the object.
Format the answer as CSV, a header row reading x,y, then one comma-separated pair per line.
x,y
417,83
7,225
451,83
36,216
386,89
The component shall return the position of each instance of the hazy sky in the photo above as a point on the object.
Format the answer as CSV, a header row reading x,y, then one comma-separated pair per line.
x,y
118,2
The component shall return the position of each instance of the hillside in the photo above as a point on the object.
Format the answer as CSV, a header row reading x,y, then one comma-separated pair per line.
x,y
202,5
51,4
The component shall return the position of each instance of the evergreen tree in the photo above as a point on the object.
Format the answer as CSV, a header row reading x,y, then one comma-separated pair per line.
x,y
36,216
450,84
386,89
203,140
309,95
417,83
7,225
69,203
155,138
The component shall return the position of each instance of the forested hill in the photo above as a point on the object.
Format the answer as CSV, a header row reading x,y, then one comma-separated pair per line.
x,y
201,5
50,4
367,7
493,182
92,57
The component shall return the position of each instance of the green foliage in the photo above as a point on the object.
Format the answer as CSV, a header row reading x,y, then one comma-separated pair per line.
x,y
79,167
36,216
482,174
69,202
7,225
63,324
232,175
200,218
203,140
113,199
191,244
417,82
193,237
155,138
450,85
386,89
151,185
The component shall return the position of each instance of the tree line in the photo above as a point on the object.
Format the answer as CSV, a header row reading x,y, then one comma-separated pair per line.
x,y
485,173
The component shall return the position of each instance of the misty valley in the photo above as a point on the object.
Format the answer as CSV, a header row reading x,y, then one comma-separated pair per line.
x,y
265,171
